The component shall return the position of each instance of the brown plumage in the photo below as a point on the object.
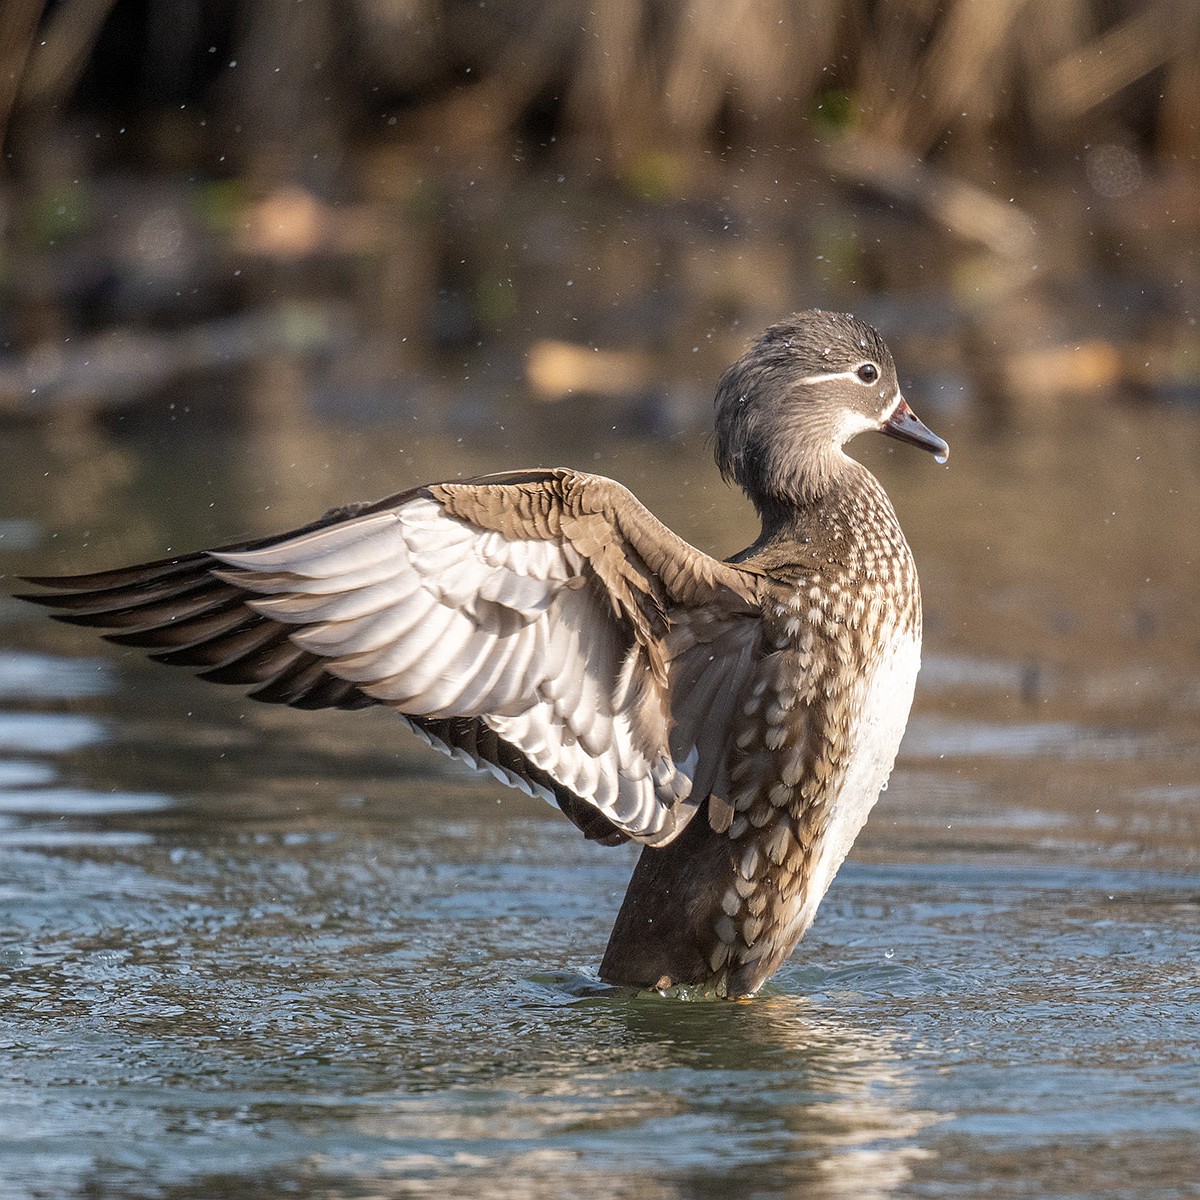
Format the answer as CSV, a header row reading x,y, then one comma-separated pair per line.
x,y
738,718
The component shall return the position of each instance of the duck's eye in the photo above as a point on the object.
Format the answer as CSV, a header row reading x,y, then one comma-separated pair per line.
x,y
868,372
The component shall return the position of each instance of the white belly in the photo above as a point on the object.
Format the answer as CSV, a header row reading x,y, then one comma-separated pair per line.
x,y
882,713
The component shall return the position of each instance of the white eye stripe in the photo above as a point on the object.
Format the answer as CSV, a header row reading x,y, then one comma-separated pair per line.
x,y
851,375
830,375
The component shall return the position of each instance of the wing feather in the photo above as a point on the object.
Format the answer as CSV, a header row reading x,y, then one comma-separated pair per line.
x,y
526,623
310,604
347,546
223,645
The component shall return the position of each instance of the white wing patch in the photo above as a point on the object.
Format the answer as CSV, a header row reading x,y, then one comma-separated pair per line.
x,y
438,618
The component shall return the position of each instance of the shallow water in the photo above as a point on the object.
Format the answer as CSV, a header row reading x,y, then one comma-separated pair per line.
x,y
248,951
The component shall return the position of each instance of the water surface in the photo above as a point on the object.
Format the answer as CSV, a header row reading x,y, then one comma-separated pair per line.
x,y
247,951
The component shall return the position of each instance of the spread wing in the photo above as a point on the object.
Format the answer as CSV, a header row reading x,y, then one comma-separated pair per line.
x,y
543,626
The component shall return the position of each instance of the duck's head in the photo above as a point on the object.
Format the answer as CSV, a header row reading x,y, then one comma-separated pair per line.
x,y
787,407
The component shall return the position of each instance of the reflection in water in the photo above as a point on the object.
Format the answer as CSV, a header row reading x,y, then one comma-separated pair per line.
x,y
80,802
1048,740
25,677
48,733
785,1102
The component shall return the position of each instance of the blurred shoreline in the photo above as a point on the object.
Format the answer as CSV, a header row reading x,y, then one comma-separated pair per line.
x,y
399,204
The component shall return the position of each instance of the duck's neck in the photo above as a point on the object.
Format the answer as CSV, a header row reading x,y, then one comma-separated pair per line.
x,y
840,509
826,482
799,473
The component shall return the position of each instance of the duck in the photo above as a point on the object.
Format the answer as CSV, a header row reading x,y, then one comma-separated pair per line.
x,y
738,718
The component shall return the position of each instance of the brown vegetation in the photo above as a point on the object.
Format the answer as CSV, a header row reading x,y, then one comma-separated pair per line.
x,y
969,78
180,178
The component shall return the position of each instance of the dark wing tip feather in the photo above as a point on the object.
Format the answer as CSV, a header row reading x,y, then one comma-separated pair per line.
x,y
211,643
120,577
193,617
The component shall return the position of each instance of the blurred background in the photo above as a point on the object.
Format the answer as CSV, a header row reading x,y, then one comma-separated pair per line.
x,y
259,259
452,204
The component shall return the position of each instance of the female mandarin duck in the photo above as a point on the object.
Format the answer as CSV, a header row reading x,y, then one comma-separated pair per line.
x,y
737,718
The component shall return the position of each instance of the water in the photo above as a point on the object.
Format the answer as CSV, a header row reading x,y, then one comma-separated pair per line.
x,y
250,952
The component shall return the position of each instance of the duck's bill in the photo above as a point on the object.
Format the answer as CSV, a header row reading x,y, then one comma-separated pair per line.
x,y
905,426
